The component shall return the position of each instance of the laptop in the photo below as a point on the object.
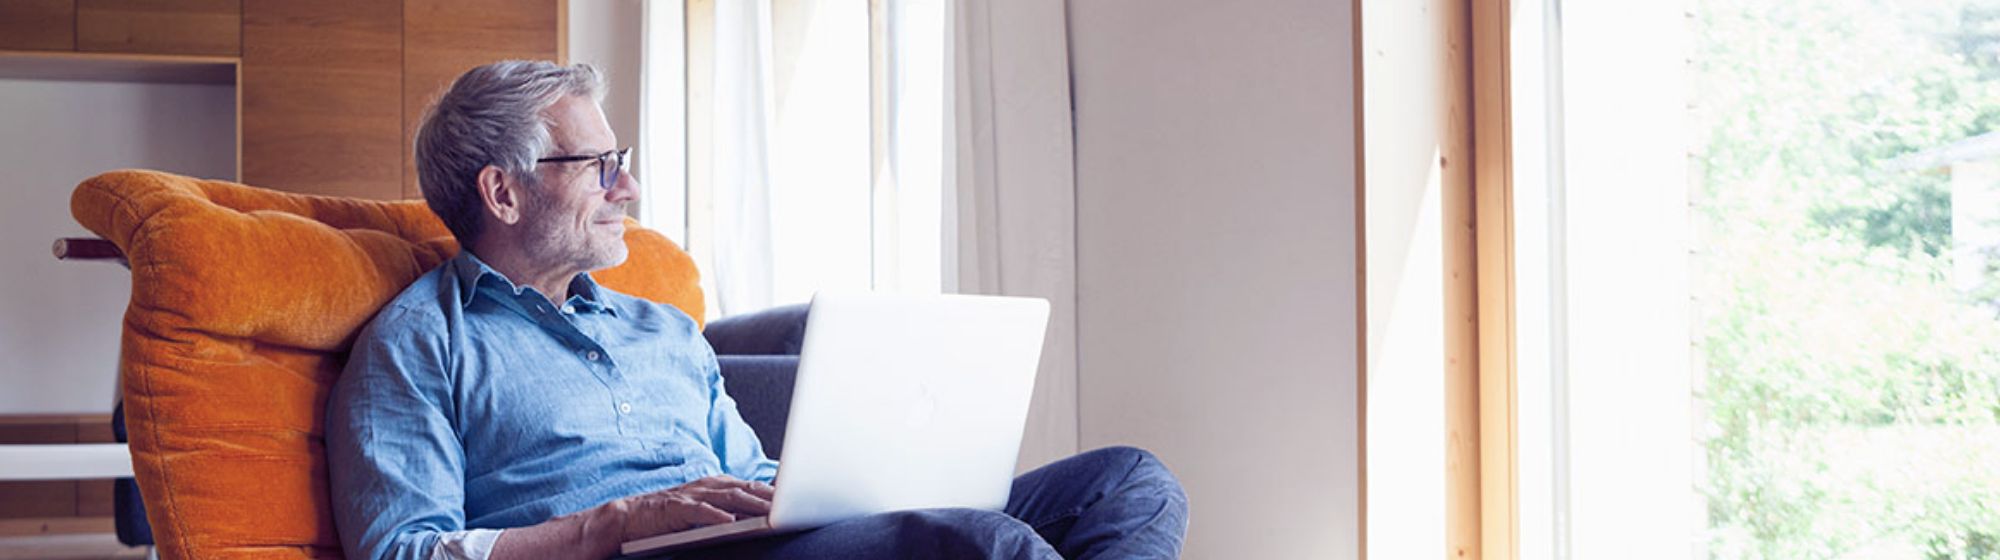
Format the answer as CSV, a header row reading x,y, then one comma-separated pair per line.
x,y
901,402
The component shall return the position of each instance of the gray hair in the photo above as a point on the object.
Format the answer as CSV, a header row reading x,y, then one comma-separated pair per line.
x,y
491,115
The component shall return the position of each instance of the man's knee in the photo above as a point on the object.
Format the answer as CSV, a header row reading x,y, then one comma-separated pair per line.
x,y
1138,466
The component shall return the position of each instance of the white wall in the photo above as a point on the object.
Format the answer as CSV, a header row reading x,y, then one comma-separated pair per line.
x,y
60,321
1217,297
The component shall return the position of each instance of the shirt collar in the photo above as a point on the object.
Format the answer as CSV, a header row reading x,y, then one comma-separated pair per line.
x,y
470,271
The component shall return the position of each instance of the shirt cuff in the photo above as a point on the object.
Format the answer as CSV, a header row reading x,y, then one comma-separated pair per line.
x,y
476,544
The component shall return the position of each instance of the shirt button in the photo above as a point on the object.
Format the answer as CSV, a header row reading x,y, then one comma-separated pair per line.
x,y
568,309
625,408
592,355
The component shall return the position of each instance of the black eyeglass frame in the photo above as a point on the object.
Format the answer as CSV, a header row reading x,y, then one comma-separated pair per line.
x,y
607,175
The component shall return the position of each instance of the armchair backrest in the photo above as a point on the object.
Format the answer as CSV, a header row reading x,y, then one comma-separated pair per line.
x,y
244,303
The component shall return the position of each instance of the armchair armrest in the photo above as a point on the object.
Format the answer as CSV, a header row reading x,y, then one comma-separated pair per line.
x,y
87,249
775,331
762,388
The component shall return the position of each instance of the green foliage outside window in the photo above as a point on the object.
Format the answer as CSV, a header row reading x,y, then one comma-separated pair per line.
x,y
1850,392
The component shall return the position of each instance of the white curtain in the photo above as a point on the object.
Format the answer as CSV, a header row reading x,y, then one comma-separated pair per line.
x,y
976,189
745,110
1011,210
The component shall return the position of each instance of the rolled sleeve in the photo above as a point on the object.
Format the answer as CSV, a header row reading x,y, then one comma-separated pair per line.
x,y
476,544
395,462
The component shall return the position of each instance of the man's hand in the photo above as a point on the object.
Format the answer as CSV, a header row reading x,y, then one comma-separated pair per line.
x,y
709,501
597,532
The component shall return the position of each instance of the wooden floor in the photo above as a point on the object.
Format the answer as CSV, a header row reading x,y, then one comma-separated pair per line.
x,y
87,546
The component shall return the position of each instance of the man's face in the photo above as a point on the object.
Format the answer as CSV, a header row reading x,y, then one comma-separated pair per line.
x,y
572,221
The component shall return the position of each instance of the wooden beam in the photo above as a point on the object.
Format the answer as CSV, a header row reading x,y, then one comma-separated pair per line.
x,y
118,67
1360,288
1461,298
56,526
1493,193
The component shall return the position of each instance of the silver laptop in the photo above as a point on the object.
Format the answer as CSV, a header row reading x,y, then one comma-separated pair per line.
x,y
901,402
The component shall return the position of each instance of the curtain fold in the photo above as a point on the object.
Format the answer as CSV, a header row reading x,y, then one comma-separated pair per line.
x,y
1011,207
745,112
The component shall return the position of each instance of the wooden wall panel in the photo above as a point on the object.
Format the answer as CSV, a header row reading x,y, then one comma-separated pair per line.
x,y
94,498
444,38
37,498
205,27
39,25
321,97
34,501
56,526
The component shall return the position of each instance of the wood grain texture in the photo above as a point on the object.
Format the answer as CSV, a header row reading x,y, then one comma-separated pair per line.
x,y
56,526
117,67
38,498
94,497
444,38
210,27
1493,188
322,84
1360,288
42,25
1452,20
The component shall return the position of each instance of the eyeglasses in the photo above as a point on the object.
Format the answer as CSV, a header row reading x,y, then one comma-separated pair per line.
x,y
610,165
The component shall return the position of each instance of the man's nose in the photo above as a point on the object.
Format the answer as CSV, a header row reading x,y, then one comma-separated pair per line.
x,y
626,189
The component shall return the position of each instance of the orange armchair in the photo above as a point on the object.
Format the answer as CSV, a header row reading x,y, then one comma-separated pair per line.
x,y
244,302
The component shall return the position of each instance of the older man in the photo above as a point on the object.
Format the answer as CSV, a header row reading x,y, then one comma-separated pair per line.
x,y
506,406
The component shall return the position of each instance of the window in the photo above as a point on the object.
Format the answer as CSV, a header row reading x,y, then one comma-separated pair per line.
x,y
1606,448
809,141
1756,264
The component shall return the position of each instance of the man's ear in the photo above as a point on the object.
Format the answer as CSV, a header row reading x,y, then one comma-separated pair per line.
x,y
502,195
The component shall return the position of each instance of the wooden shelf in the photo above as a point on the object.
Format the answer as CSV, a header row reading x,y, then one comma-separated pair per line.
x,y
103,67
65,461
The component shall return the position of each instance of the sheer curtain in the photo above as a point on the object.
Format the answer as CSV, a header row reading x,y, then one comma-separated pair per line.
x,y
1010,210
789,152
745,105
894,145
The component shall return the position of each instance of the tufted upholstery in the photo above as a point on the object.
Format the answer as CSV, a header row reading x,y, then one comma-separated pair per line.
x,y
244,302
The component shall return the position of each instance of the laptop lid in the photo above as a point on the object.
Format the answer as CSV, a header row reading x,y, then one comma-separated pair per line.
x,y
907,402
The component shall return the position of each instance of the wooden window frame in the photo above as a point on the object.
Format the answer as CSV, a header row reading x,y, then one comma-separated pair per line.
x,y
1493,203
1482,487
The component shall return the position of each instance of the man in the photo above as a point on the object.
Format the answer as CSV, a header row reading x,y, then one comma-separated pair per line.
x,y
506,406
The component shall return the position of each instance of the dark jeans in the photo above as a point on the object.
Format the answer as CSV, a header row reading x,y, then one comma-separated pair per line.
x,y
1117,502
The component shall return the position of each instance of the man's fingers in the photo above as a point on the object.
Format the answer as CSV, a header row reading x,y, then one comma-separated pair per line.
x,y
761,490
687,512
701,514
658,514
736,500
723,482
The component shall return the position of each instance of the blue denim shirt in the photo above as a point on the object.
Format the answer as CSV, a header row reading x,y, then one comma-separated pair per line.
x,y
472,403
